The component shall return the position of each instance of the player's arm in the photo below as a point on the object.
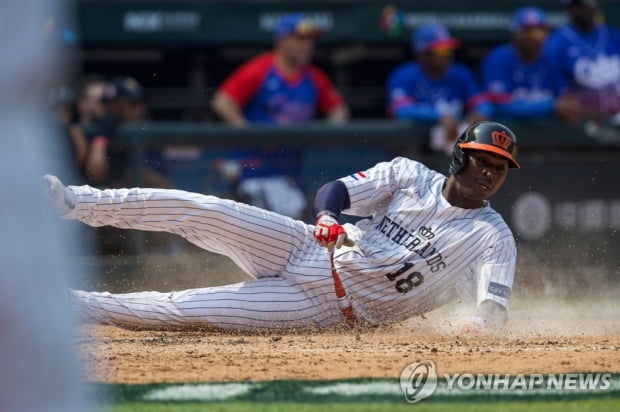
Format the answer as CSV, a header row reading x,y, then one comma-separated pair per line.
x,y
527,110
495,276
96,164
497,73
493,314
330,200
362,194
228,109
405,108
339,114
238,89
403,105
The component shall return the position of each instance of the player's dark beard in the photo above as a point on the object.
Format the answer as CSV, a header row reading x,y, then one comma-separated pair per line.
x,y
584,19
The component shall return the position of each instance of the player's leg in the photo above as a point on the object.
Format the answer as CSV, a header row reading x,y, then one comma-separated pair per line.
x,y
257,305
259,241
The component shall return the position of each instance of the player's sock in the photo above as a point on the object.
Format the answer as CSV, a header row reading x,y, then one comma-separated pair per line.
x,y
63,199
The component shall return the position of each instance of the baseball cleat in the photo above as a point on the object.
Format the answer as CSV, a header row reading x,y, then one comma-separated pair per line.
x,y
63,199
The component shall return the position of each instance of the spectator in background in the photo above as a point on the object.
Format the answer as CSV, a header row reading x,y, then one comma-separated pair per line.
x,y
90,112
108,161
519,78
62,102
434,90
280,87
89,100
587,55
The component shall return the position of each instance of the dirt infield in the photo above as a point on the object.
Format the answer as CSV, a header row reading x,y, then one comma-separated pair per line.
x,y
556,338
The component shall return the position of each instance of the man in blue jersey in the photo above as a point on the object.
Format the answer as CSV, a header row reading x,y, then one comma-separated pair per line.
x,y
434,90
587,54
519,78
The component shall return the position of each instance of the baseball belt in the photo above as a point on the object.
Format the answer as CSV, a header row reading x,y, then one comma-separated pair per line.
x,y
345,304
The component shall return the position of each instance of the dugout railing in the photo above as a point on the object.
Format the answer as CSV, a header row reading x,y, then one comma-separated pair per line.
x,y
388,136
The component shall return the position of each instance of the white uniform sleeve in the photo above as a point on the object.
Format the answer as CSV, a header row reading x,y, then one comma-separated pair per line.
x,y
371,189
496,271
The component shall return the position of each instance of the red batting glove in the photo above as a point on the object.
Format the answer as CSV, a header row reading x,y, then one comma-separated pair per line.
x,y
328,232
473,327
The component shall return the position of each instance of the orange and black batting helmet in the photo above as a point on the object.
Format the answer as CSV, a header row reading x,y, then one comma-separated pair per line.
x,y
487,136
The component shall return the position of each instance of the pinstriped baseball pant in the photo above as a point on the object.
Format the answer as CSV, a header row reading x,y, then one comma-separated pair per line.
x,y
292,288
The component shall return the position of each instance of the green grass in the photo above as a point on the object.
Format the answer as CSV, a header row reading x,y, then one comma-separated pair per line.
x,y
354,395
504,406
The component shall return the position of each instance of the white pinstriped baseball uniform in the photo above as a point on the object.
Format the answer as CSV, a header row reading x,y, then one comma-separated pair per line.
x,y
414,253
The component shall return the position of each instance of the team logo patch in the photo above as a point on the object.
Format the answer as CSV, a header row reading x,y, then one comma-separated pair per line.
x,y
501,139
499,290
426,232
358,175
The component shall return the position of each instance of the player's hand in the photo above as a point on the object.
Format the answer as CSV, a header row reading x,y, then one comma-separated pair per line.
x,y
568,108
329,233
63,200
473,327
470,330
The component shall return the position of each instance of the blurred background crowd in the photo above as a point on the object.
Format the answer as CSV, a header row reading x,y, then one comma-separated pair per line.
x,y
563,70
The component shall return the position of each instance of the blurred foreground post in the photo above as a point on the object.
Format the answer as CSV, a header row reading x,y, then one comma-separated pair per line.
x,y
38,365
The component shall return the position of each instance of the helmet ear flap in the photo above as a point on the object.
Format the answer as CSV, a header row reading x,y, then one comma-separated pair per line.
x,y
459,159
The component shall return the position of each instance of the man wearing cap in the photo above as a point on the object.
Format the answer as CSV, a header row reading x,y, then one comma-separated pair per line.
x,y
519,78
435,90
587,55
279,87
123,99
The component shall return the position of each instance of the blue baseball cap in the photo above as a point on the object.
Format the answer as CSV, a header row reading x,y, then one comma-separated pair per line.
x,y
432,37
296,24
527,17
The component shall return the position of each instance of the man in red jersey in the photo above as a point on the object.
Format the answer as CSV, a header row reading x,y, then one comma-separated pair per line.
x,y
281,86
278,87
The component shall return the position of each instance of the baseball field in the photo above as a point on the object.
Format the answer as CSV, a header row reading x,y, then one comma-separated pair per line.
x,y
360,370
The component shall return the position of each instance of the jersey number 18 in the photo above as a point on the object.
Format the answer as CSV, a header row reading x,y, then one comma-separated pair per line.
x,y
412,280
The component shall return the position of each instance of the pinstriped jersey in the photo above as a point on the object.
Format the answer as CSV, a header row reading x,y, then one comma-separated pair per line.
x,y
414,251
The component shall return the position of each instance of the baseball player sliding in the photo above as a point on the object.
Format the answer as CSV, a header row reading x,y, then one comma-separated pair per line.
x,y
425,240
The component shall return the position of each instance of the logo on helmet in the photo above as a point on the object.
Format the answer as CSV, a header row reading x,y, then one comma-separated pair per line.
x,y
501,139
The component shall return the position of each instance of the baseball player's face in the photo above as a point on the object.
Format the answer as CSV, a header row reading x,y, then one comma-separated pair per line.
x,y
297,49
435,62
90,105
484,175
531,39
582,14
